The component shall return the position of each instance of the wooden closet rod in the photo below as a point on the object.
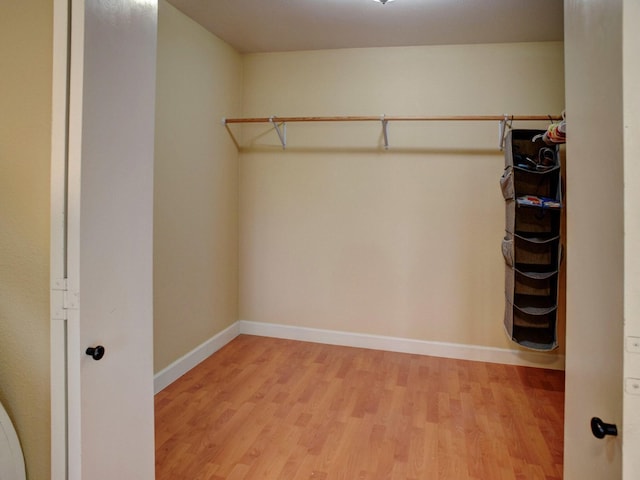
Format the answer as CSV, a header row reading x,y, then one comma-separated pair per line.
x,y
280,123
390,118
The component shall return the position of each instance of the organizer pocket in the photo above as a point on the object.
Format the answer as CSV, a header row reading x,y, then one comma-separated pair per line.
x,y
507,250
507,185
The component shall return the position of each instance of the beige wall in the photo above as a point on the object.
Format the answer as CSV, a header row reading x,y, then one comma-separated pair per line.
x,y
336,233
199,81
25,129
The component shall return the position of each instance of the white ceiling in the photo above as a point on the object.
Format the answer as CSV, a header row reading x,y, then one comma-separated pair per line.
x,y
285,25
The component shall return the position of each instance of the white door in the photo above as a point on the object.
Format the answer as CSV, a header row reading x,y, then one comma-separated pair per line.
x,y
107,267
595,237
631,79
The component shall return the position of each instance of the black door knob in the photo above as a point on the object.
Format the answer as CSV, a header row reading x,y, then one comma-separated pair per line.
x,y
601,429
95,352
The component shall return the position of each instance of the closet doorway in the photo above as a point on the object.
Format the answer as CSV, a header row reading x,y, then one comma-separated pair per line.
x,y
585,351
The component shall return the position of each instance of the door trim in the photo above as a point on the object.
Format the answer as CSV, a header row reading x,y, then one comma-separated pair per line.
x,y
59,136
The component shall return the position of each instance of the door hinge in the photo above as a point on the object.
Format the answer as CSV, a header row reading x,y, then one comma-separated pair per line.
x,y
62,300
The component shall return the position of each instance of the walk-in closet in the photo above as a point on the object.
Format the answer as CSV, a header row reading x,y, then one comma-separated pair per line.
x,y
319,239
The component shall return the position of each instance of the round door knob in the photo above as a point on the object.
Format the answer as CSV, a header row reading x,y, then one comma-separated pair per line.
x,y
601,429
95,352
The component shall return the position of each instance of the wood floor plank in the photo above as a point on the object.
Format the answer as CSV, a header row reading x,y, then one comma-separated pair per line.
x,y
273,409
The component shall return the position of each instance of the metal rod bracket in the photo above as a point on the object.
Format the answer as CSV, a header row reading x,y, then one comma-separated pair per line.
x,y
502,130
385,132
282,134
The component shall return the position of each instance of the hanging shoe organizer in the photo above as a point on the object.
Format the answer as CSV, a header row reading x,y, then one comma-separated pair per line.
x,y
532,248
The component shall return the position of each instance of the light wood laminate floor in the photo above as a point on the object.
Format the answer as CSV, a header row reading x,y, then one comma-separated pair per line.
x,y
273,409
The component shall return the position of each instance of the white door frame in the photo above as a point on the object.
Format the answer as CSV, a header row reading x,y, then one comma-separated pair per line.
x,y
58,274
65,117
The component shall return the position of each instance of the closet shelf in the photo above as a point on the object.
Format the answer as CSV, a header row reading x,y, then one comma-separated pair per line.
x,y
534,304
537,237
536,271
536,172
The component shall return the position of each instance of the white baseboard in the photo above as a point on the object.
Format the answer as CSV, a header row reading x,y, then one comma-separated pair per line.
x,y
185,363
406,345
348,339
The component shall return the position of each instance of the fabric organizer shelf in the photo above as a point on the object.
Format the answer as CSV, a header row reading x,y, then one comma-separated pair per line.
x,y
532,188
